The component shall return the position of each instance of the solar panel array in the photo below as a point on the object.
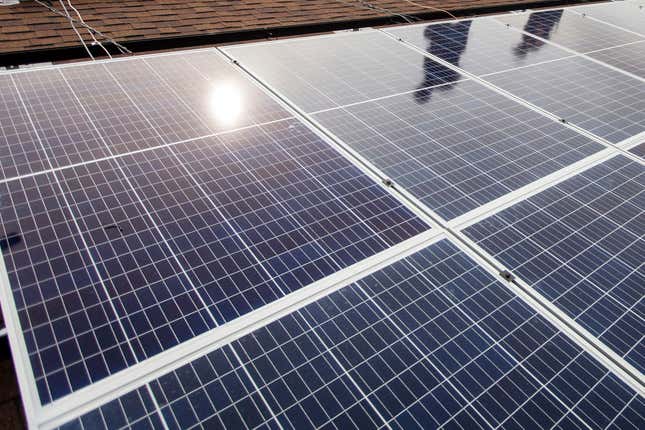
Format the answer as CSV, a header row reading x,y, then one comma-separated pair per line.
x,y
315,239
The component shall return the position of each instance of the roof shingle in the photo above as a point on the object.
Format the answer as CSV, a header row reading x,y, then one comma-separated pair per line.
x,y
30,26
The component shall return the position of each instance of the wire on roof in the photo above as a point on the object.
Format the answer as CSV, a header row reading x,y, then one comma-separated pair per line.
x,y
94,31
431,8
71,21
361,3
82,21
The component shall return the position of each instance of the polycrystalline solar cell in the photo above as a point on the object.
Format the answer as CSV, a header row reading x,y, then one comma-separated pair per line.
x,y
639,150
213,391
627,15
507,362
579,243
222,97
431,340
20,152
71,333
117,118
457,147
630,58
325,72
134,410
570,29
302,227
224,272
479,46
63,126
157,303
169,115
589,95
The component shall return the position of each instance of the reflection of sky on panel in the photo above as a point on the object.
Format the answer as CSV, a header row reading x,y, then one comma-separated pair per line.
x,y
570,30
318,73
479,46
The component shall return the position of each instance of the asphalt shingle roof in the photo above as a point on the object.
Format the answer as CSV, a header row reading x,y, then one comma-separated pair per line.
x,y
30,26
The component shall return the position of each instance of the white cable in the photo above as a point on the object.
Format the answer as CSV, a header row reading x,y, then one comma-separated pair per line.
x,y
3,332
80,18
71,21
120,47
431,8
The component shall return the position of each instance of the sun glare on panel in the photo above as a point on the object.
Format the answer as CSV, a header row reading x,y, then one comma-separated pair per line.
x,y
226,103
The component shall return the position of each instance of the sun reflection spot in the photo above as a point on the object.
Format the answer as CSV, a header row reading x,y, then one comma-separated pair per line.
x,y
226,103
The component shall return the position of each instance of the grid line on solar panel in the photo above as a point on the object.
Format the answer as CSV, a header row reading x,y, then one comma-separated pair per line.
x,y
484,298
255,169
222,93
158,323
458,152
479,46
72,333
618,14
134,410
586,94
21,152
370,66
63,130
639,150
630,58
579,244
569,29
313,367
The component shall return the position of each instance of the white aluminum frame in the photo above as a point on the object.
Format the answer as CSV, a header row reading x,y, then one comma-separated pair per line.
x,y
92,396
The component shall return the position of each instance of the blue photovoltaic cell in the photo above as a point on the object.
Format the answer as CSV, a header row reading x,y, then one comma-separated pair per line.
x,y
60,121
432,340
639,150
457,147
212,392
72,335
216,260
569,29
630,58
480,46
116,117
580,244
589,95
175,249
325,72
160,105
20,152
132,411
158,305
300,225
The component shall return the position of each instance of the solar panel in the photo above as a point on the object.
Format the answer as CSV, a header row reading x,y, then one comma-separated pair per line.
x,y
324,72
480,46
166,242
72,334
589,95
193,244
630,58
456,147
569,29
628,15
432,340
579,243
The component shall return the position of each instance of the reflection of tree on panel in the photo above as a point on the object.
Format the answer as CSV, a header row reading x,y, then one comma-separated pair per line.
x,y
448,42
540,24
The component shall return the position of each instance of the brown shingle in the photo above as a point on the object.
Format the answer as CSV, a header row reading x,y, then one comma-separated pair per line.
x,y
126,20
